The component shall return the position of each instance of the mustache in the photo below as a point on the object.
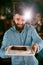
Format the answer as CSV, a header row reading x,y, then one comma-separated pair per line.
x,y
19,24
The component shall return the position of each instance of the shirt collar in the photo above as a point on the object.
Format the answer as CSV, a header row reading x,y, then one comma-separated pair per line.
x,y
16,30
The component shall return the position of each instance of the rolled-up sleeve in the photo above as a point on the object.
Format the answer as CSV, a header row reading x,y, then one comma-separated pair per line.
x,y
37,39
4,44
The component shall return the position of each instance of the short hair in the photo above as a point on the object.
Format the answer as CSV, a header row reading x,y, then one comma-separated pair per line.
x,y
19,7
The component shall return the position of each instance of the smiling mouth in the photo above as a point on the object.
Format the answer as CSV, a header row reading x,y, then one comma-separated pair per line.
x,y
19,24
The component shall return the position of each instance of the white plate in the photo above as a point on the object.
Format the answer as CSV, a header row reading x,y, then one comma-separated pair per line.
x,y
28,52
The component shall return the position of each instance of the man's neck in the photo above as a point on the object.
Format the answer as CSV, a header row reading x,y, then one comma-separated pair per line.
x,y
19,29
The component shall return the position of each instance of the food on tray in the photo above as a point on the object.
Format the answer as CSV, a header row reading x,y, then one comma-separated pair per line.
x,y
18,48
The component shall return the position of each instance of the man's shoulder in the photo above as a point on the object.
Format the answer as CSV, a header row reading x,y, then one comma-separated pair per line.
x,y
29,26
9,30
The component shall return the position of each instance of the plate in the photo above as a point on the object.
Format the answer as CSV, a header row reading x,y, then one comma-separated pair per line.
x,y
15,52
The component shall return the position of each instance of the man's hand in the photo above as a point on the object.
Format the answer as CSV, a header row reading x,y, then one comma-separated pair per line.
x,y
7,48
35,47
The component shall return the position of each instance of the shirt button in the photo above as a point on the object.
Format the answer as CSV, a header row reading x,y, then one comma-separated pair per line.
x,y
22,40
25,64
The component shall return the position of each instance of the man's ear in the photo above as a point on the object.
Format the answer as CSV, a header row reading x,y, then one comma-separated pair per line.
x,y
13,18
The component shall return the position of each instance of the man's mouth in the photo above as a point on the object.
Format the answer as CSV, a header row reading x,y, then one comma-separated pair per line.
x,y
19,25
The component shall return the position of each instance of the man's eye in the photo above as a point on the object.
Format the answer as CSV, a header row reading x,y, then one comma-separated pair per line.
x,y
23,20
18,19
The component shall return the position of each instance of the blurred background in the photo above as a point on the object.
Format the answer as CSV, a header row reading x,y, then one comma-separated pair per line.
x,y
6,9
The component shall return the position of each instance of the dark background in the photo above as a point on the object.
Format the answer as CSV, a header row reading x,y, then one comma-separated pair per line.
x,y
6,9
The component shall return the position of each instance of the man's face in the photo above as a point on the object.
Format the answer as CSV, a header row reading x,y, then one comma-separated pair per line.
x,y
19,21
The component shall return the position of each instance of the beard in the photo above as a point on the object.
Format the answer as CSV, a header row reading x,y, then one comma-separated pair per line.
x,y
19,27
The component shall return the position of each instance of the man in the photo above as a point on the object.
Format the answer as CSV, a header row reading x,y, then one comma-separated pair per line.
x,y
24,35
39,22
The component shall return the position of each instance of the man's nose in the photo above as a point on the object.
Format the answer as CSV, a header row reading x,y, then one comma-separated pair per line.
x,y
20,22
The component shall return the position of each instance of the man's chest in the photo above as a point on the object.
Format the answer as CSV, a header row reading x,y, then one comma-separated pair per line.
x,y
20,38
